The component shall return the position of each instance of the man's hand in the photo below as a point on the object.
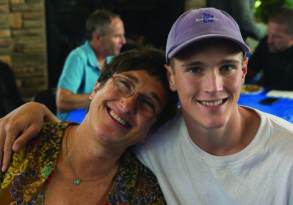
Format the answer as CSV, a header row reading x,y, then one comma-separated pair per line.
x,y
19,126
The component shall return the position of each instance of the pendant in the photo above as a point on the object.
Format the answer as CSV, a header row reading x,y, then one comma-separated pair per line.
x,y
76,181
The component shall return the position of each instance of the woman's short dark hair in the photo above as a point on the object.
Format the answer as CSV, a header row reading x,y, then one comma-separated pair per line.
x,y
152,61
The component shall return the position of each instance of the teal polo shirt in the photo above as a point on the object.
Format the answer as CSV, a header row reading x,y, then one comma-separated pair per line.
x,y
80,72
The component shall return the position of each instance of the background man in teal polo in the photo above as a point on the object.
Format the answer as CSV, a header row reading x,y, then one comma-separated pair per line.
x,y
105,37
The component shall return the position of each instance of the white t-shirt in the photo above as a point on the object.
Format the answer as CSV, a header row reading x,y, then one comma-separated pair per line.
x,y
260,174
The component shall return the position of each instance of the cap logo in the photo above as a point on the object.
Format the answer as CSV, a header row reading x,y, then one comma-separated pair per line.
x,y
206,18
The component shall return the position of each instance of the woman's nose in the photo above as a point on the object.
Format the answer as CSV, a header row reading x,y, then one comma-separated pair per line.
x,y
128,104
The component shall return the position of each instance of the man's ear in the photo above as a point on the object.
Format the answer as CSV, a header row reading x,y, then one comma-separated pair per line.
x,y
96,88
291,42
171,76
244,68
96,37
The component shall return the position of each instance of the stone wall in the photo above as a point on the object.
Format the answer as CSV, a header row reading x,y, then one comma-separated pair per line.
x,y
23,43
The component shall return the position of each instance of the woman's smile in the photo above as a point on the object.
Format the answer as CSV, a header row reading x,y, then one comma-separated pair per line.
x,y
119,119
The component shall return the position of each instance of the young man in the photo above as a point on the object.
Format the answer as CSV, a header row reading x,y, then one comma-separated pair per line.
x,y
274,54
105,38
213,151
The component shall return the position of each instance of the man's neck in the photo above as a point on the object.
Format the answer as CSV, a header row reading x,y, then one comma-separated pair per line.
x,y
101,57
229,139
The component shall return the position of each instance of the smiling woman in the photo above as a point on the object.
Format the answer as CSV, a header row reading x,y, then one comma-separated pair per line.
x,y
90,163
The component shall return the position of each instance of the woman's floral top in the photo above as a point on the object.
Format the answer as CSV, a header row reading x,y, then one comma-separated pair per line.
x,y
24,181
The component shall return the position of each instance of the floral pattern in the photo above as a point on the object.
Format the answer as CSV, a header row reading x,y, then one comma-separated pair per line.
x,y
24,181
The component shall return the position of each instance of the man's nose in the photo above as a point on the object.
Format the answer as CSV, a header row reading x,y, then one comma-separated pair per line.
x,y
123,40
269,39
213,82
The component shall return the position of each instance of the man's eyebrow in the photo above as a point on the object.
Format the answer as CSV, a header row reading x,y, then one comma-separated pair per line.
x,y
199,63
230,61
193,63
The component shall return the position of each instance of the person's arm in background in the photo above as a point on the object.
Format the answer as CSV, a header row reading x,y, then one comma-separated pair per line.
x,y
66,100
70,81
19,126
243,14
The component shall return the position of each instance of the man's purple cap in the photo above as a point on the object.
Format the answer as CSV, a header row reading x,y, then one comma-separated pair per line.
x,y
198,24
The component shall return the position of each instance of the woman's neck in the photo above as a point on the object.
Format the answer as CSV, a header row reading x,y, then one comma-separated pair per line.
x,y
86,156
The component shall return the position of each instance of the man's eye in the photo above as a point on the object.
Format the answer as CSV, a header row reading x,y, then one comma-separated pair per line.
x,y
227,68
194,70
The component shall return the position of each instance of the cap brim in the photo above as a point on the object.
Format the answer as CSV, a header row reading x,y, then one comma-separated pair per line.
x,y
244,47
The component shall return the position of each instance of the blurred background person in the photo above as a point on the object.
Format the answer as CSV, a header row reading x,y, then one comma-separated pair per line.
x,y
271,64
242,12
105,38
10,97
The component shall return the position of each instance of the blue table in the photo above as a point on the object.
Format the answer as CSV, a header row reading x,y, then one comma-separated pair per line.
x,y
76,115
283,107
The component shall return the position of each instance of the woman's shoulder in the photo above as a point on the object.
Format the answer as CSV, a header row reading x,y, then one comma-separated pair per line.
x,y
33,163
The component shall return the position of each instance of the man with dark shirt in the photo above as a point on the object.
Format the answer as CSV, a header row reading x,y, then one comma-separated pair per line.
x,y
274,54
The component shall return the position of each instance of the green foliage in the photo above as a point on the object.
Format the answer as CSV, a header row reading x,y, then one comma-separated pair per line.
x,y
268,7
289,3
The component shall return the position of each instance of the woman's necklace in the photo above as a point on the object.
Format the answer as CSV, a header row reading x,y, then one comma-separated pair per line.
x,y
77,180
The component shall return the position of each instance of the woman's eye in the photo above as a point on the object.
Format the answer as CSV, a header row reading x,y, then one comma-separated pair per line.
x,y
124,85
148,104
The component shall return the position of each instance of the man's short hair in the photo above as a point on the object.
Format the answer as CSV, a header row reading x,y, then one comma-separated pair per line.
x,y
283,16
99,21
